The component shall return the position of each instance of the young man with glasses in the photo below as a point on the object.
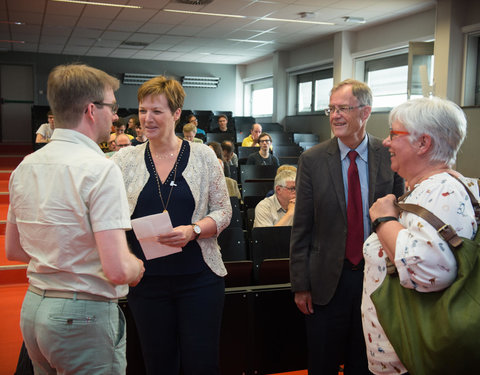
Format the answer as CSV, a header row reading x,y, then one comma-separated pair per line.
x,y
331,222
264,156
278,209
67,219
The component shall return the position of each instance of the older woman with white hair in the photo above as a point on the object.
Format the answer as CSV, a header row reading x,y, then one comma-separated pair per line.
x,y
425,136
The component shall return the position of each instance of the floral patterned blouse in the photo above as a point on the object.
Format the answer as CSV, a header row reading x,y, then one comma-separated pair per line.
x,y
423,260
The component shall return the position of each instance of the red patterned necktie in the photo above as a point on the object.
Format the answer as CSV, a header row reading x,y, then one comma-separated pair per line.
x,y
354,243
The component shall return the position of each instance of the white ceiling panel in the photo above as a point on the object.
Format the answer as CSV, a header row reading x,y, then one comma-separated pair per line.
x,y
107,43
108,13
155,28
94,22
99,51
116,35
26,5
30,18
87,32
123,52
99,31
145,54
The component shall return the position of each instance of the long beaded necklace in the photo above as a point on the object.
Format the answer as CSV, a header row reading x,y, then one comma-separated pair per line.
x,y
172,183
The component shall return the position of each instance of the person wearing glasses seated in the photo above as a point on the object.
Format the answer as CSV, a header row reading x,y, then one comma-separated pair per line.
x,y
264,155
118,142
277,210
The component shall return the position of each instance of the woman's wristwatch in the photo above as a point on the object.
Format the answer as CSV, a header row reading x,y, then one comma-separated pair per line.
x,y
197,230
380,220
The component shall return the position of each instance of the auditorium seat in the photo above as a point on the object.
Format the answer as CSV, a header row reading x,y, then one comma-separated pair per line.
x,y
232,244
270,243
240,273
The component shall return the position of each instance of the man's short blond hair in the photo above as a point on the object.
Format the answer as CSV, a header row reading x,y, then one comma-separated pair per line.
x,y
286,167
187,128
70,88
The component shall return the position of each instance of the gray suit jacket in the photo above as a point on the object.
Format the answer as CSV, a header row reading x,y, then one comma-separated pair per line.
x,y
317,245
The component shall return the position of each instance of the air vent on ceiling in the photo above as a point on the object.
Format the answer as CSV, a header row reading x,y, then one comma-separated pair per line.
x,y
203,82
134,44
195,2
136,78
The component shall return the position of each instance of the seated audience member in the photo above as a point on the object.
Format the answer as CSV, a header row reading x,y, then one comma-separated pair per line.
x,y
215,146
229,156
264,155
117,142
278,209
232,186
222,125
284,167
252,139
200,132
120,128
132,126
189,132
140,138
45,131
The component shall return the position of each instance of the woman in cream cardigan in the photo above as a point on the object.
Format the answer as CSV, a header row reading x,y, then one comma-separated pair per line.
x,y
178,305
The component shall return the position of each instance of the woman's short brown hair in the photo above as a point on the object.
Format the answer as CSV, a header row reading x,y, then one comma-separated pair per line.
x,y
171,88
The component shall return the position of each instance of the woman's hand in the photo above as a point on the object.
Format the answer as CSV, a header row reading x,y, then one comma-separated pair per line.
x,y
384,207
178,237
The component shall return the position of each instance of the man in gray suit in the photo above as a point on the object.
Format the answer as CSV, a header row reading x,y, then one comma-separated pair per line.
x,y
327,283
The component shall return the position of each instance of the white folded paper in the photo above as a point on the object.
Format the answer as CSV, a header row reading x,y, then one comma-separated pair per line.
x,y
147,229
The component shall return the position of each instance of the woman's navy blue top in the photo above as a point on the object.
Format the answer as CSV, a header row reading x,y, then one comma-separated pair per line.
x,y
180,208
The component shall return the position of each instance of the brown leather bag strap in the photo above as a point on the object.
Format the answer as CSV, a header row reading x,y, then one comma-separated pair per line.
x,y
445,231
475,203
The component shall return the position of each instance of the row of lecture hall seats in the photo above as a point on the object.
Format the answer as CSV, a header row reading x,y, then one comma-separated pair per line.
x,y
262,330
287,145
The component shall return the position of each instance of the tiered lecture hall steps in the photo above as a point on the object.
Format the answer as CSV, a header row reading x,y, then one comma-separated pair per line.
x,y
13,280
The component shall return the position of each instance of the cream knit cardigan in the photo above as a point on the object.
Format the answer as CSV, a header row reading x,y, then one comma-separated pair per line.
x,y
206,182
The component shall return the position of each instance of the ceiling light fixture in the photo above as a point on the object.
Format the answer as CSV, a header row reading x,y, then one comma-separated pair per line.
x,y
252,41
203,13
297,21
99,4
354,19
12,41
238,16
13,22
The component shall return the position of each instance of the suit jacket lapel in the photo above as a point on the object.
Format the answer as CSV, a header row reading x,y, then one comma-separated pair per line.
x,y
373,165
335,170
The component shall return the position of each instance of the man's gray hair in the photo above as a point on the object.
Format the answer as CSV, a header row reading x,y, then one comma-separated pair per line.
x,y
283,177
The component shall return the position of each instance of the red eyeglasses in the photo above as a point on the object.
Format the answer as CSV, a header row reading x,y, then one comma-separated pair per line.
x,y
397,132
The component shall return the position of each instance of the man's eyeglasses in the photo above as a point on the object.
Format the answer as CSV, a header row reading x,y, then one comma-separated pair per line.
x,y
121,146
291,189
264,141
393,133
113,106
341,109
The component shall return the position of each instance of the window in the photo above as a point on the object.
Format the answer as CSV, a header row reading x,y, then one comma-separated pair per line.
x,y
313,90
260,98
399,75
388,78
471,81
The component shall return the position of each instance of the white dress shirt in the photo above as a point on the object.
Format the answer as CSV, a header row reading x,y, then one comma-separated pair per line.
x,y
59,196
